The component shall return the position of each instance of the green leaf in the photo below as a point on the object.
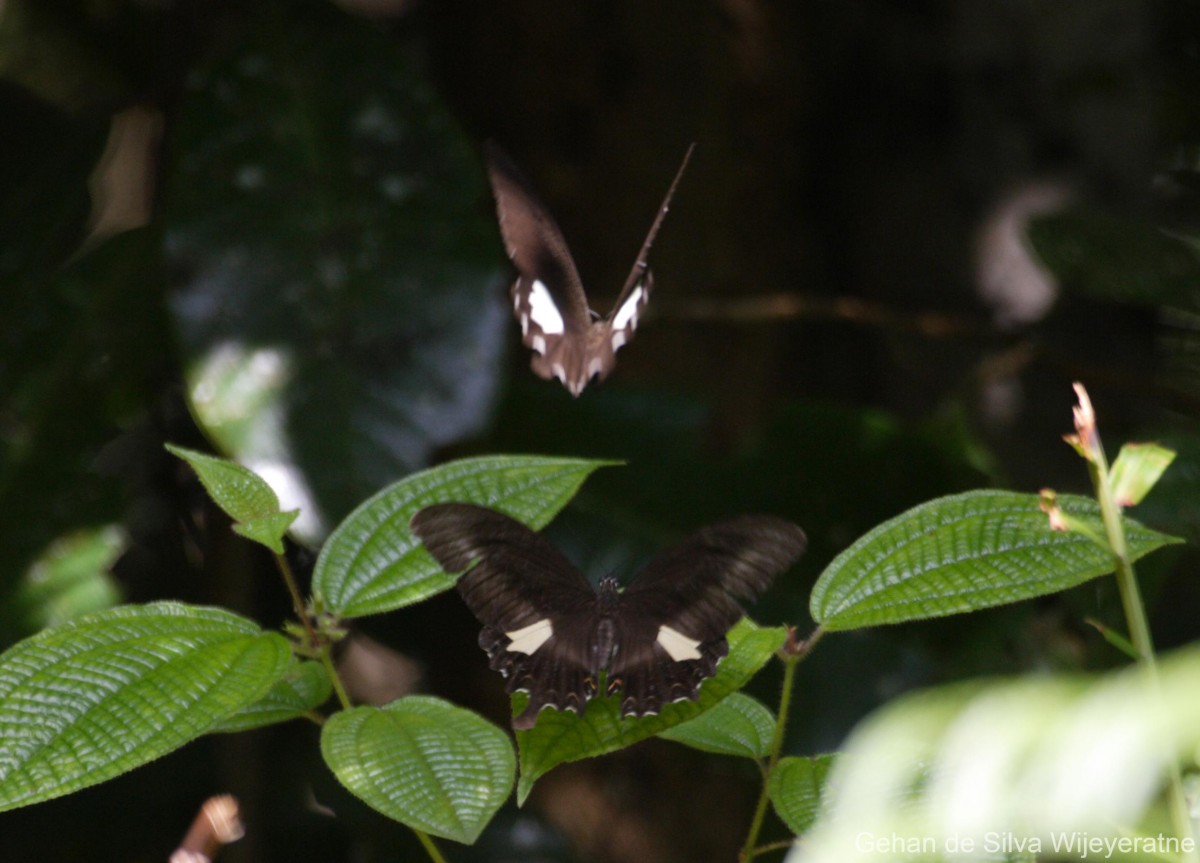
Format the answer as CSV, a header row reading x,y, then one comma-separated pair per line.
x,y
305,687
739,725
69,579
962,553
795,787
561,736
243,495
423,762
268,530
1043,756
103,694
1129,260
1136,470
372,563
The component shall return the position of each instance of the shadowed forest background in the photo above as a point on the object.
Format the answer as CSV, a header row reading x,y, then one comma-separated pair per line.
x,y
264,229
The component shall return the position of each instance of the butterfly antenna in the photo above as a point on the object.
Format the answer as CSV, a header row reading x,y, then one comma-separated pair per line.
x,y
639,266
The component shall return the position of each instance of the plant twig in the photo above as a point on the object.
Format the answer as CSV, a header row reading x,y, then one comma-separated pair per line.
x,y
792,653
1087,443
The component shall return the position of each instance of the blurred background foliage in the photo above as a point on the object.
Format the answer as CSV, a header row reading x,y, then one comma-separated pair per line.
x,y
264,228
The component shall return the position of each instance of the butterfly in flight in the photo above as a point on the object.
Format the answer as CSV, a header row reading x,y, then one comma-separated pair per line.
x,y
570,341
552,635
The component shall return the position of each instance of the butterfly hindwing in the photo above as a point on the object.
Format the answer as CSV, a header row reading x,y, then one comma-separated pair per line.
x,y
551,635
687,598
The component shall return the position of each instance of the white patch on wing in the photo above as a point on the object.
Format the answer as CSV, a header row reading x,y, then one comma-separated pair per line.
x,y
538,344
542,309
528,639
559,372
594,367
628,311
524,325
677,645
618,340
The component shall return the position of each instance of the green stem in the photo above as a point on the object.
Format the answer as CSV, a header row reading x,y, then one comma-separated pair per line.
x,y
430,848
293,589
338,688
790,660
1139,629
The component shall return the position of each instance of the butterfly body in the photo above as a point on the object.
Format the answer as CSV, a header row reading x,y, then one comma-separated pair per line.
x,y
552,635
571,343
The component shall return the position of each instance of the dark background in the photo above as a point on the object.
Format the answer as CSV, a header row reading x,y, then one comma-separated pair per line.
x,y
907,228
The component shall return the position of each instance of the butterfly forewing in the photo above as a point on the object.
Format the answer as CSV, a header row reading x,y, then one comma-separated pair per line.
x,y
537,609
686,600
518,577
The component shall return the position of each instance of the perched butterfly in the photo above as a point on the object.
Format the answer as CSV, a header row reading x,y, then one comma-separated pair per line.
x,y
552,635
571,342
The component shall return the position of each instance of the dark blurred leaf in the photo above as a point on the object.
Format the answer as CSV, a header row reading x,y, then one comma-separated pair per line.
x,y
340,307
89,348
44,202
835,470
1117,258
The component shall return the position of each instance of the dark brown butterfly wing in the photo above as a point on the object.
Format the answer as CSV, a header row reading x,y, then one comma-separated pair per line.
x,y
570,343
674,616
622,320
538,611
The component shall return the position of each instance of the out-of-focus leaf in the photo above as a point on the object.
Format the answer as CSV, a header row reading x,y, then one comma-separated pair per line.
x,y
1137,470
1116,258
48,156
101,695
86,349
340,302
1045,759
68,580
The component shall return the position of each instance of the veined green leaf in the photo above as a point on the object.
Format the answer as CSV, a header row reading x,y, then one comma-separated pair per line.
x,y
305,687
423,762
962,553
103,694
795,789
561,736
739,725
372,563
243,495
